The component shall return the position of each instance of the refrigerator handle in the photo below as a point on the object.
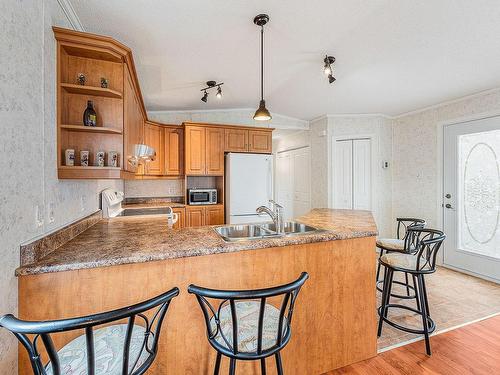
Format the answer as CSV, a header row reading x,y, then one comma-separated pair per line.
x,y
269,179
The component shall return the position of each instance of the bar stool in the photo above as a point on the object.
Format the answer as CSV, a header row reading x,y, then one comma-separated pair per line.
x,y
401,244
127,349
418,264
244,326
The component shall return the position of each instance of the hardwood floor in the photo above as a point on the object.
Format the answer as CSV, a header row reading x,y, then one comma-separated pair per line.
x,y
473,349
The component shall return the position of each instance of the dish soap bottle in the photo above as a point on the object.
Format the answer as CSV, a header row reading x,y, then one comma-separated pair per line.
x,y
89,116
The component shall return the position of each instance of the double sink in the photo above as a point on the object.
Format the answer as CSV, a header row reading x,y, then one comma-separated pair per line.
x,y
244,232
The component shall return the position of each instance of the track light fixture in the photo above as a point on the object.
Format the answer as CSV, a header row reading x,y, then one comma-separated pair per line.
x,y
327,68
205,97
211,85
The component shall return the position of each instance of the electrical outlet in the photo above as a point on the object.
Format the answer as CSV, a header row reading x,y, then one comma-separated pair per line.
x,y
83,202
51,213
39,215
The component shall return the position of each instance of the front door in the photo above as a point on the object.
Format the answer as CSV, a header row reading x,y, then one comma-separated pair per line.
x,y
471,201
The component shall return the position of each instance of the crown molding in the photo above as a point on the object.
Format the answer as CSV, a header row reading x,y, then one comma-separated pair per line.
x,y
70,13
445,103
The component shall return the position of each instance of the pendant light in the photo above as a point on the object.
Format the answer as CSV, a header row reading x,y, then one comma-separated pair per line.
x,y
261,114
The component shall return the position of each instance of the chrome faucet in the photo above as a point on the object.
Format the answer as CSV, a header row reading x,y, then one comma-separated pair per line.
x,y
276,215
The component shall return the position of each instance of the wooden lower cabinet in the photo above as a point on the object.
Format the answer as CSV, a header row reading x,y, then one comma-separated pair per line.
x,y
214,215
181,221
197,216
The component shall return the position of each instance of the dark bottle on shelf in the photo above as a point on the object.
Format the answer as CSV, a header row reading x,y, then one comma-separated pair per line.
x,y
89,116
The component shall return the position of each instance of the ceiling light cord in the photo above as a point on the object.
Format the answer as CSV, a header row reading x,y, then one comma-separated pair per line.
x,y
262,62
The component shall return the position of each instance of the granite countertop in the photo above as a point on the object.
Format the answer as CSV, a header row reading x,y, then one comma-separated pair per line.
x,y
142,239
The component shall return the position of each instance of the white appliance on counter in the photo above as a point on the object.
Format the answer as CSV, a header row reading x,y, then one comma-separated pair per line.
x,y
249,184
111,203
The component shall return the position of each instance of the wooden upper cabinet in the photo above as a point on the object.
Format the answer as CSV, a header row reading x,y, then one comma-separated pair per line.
x,y
133,122
214,150
214,215
153,136
194,150
174,150
236,140
260,141
195,216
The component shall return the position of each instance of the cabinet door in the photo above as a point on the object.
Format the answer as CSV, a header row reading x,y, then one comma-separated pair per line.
x,y
133,123
173,151
214,215
236,140
194,150
153,136
181,221
195,216
260,141
214,151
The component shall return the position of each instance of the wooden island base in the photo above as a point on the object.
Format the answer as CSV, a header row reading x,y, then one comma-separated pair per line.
x,y
334,322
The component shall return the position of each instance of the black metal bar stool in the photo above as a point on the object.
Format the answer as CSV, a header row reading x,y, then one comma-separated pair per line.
x,y
244,326
418,264
401,244
121,348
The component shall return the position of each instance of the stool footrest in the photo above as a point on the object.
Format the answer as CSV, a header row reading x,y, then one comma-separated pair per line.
x,y
430,323
411,296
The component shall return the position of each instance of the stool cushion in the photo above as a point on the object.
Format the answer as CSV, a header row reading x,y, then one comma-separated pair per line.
x,y
108,348
405,261
391,244
247,315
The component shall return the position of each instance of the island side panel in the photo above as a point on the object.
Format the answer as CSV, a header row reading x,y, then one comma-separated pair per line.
x,y
334,321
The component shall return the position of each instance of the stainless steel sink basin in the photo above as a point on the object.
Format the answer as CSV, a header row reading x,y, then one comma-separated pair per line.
x,y
292,227
245,232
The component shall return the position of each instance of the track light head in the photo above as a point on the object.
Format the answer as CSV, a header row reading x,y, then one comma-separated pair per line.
x,y
219,93
331,78
205,97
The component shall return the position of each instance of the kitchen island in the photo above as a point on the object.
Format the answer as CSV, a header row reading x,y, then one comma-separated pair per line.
x,y
121,261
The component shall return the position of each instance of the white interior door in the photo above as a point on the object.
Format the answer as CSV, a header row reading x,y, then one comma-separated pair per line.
x,y
284,182
471,201
301,181
343,174
293,181
352,174
362,172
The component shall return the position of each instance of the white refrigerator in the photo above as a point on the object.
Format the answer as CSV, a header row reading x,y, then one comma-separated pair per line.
x,y
249,184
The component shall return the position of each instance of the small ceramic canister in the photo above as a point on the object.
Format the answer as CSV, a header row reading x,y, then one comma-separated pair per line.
x,y
84,158
99,158
70,157
112,159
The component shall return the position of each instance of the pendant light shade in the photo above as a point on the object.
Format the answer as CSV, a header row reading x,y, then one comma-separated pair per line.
x,y
261,114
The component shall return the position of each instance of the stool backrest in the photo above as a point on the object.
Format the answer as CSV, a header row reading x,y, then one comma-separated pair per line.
x,y
407,222
285,294
428,242
30,333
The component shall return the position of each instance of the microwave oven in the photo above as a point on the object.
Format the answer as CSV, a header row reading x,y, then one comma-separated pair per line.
x,y
202,196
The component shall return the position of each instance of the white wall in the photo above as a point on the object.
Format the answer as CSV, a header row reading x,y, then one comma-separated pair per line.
x,y
416,154
28,146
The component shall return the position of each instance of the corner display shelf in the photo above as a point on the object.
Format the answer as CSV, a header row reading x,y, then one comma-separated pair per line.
x,y
90,90
91,129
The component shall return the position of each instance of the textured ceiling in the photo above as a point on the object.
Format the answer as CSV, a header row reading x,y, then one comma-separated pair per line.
x,y
393,56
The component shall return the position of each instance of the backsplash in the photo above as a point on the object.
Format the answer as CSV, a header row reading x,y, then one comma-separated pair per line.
x,y
154,188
